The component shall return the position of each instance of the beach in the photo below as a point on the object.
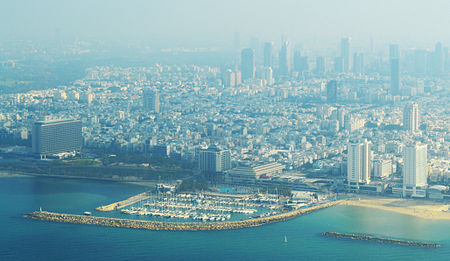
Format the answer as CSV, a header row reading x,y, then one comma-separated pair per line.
x,y
414,207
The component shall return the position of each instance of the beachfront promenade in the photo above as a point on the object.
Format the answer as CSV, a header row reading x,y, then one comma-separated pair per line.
x,y
173,226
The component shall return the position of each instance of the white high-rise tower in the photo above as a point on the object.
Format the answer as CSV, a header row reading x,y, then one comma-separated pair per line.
x,y
411,117
414,168
358,164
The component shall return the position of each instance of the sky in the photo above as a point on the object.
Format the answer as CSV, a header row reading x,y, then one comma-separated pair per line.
x,y
209,23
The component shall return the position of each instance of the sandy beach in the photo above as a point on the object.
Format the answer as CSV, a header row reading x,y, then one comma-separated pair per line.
x,y
11,175
418,208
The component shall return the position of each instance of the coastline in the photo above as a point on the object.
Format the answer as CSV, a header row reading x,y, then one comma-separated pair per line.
x,y
425,209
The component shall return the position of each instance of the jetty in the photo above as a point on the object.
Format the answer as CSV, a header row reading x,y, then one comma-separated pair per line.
x,y
173,226
380,239
124,203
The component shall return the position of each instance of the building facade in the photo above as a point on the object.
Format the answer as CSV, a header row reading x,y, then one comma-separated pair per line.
x,y
415,170
56,136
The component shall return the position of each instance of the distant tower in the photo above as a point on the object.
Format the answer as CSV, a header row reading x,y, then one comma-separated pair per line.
x,y
437,63
358,63
338,65
237,41
285,59
151,100
248,64
268,54
345,53
411,117
414,168
358,164
320,65
394,57
332,91
300,62
229,78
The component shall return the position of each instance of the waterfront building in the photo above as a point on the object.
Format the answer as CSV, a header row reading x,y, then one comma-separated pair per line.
x,y
214,160
411,117
358,164
251,174
248,64
151,100
56,136
415,172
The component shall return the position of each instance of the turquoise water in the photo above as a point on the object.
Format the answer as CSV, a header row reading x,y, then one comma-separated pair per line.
x,y
24,239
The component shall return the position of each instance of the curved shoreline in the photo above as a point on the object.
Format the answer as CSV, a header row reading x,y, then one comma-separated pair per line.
x,y
172,226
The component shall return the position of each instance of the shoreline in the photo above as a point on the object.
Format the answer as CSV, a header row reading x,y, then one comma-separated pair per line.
x,y
424,209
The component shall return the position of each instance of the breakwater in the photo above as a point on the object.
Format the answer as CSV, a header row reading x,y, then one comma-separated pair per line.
x,y
380,239
174,226
124,203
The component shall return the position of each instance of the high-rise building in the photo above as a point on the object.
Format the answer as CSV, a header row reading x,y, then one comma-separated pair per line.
x,y
214,159
437,60
358,63
345,53
285,59
229,78
268,54
420,62
414,169
300,62
394,57
338,65
332,91
358,164
248,64
320,65
151,100
411,117
56,136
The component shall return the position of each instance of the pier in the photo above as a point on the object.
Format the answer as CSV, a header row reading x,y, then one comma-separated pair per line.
x,y
172,226
380,239
124,203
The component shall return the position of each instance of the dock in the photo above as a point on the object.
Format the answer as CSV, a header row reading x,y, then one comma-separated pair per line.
x,y
173,226
124,203
380,239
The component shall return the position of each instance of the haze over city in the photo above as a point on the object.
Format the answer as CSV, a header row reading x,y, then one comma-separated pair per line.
x,y
224,130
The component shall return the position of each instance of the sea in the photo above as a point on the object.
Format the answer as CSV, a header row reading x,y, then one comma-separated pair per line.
x,y
26,239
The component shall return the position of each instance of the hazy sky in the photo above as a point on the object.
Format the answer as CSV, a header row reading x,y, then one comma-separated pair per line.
x,y
204,23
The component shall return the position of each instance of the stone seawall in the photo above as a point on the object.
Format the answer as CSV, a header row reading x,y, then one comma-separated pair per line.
x,y
380,239
124,203
174,226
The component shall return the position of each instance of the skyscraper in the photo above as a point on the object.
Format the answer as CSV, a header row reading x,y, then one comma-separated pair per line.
x,y
300,62
394,57
285,59
358,63
268,54
151,100
437,60
414,169
248,64
229,78
56,136
332,91
345,53
411,117
358,163
320,65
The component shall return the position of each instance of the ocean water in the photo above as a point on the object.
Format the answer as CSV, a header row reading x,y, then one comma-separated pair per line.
x,y
25,239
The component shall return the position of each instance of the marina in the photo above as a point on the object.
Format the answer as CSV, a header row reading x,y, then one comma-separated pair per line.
x,y
207,208
173,226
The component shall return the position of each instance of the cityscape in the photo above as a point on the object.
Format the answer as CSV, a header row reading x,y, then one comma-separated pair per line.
x,y
270,136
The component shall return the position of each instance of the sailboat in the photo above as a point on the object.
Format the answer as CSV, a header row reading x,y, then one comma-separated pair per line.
x,y
285,239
